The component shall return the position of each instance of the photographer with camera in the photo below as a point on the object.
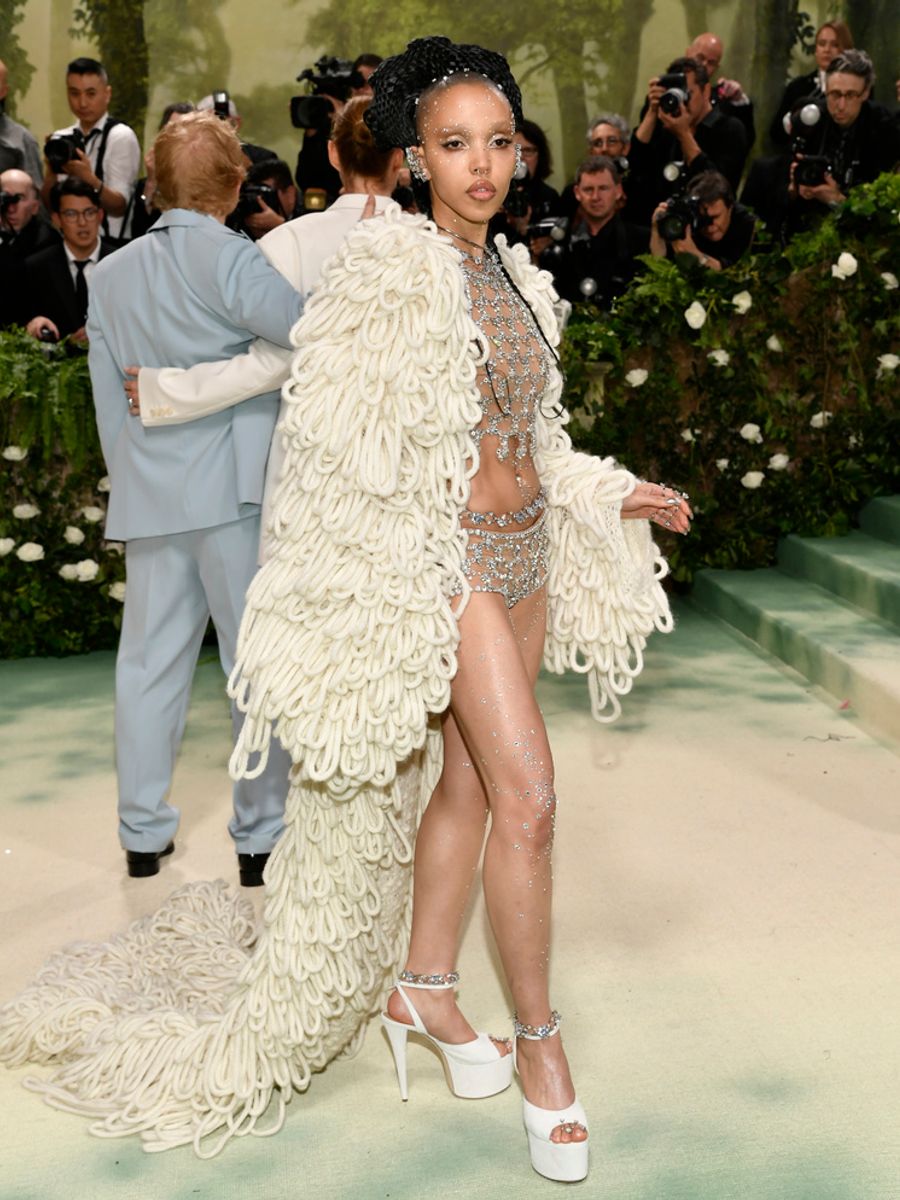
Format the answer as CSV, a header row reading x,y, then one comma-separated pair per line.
x,y
704,222
98,149
596,259
56,280
840,143
681,135
530,199
725,94
23,231
226,110
331,82
832,38
268,198
18,148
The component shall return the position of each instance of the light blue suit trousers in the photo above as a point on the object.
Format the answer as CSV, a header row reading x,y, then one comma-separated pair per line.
x,y
185,499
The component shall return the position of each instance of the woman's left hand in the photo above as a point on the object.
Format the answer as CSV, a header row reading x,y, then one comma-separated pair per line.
x,y
664,506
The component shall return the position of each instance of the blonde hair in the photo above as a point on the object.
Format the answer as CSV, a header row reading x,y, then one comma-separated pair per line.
x,y
198,163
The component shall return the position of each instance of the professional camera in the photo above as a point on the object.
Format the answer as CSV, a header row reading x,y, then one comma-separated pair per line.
x,y
61,148
249,198
329,76
7,199
551,227
221,105
675,95
682,213
811,170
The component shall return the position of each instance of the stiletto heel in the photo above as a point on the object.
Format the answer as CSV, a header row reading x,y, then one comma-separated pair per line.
x,y
397,1034
475,1069
566,1162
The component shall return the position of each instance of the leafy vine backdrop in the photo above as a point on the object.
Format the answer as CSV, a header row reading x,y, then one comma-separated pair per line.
x,y
769,391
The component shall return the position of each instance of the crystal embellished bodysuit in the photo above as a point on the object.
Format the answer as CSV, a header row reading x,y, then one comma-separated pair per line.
x,y
507,551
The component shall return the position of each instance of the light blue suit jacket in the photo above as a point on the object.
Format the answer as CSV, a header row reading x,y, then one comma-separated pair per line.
x,y
190,290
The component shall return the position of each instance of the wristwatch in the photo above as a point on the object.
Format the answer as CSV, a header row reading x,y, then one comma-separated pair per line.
x,y
704,261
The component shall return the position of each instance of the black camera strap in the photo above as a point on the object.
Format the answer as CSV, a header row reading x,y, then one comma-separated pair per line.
x,y
98,167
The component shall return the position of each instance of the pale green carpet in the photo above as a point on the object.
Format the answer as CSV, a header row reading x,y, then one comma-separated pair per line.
x,y
727,953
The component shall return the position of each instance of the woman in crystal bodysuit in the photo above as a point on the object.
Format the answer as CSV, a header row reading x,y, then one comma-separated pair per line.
x,y
456,108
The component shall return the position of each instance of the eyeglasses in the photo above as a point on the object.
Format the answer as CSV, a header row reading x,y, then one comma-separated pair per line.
x,y
843,95
79,214
607,141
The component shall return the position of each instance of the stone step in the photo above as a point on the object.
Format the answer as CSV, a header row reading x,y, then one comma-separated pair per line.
x,y
853,657
861,569
881,518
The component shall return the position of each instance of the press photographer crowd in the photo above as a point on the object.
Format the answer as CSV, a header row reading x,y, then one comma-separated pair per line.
x,y
667,187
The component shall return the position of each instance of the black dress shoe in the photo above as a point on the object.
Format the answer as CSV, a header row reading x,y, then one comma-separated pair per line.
x,y
251,867
145,862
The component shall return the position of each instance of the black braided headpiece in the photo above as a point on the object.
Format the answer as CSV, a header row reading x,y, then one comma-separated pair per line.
x,y
400,81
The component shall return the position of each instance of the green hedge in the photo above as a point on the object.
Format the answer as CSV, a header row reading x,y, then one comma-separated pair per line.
x,y
62,583
812,363
824,397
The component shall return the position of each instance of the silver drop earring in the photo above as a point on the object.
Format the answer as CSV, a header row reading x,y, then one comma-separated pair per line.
x,y
416,166
519,160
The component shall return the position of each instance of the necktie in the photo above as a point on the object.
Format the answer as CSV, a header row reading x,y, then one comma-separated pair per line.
x,y
81,291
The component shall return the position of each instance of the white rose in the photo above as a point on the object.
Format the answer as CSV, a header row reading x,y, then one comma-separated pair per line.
x,y
719,358
115,547
93,514
25,512
820,419
750,432
845,266
853,441
889,279
68,571
30,552
104,484
778,462
687,435
117,591
636,377
15,453
773,344
742,302
73,535
87,569
752,479
695,315
722,463
6,546
887,363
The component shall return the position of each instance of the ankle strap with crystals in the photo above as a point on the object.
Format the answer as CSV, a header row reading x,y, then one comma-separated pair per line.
x,y
537,1033
448,980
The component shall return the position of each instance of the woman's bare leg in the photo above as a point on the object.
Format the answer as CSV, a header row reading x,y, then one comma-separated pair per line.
x,y
499,730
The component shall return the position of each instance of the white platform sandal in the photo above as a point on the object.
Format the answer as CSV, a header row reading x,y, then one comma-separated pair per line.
x,y
566,1162
475,1069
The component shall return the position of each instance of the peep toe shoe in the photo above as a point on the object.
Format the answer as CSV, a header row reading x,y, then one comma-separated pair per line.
x,y
474,1069
566,1162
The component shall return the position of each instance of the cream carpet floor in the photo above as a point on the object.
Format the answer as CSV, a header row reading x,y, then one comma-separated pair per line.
x,y
727,956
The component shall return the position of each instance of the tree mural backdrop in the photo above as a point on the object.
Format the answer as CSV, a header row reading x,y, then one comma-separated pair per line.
x,y
584,54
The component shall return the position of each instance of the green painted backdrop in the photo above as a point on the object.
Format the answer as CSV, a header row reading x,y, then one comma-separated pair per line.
x,y
572,57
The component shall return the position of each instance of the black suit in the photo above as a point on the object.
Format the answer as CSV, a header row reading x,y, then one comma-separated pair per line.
x,y
37,235
796,90
48,289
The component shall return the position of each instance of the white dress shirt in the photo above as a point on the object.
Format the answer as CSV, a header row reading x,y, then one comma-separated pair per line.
x,y
121,162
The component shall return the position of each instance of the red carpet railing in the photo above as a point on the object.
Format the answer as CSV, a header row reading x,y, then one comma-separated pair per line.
x,y
769,392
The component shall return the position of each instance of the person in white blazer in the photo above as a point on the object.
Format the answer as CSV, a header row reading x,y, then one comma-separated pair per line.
x,y
299,250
